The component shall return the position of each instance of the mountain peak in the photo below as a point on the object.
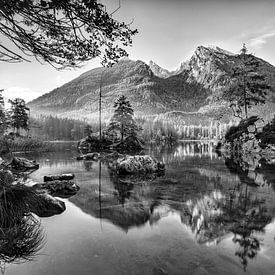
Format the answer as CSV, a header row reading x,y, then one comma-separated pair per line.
x,y
159,71
212,49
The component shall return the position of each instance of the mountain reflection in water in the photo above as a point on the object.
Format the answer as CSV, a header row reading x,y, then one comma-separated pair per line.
x,y
213,197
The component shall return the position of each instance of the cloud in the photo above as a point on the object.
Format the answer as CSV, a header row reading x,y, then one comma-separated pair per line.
x,y
21,92
259,41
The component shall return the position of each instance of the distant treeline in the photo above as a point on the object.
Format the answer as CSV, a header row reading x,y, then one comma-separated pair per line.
x,y
161,130
157,130
54,128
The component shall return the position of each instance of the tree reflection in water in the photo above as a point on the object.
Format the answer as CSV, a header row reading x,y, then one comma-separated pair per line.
x,y
212,199
250,212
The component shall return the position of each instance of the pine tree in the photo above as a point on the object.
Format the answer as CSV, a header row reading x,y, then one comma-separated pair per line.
x,y
249,85
19,118
123,119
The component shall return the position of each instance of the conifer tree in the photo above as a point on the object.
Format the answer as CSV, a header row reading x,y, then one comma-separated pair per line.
x,y
249,85
123,119
19,117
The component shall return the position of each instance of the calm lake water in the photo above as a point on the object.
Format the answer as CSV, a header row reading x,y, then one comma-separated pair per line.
x,y
203,217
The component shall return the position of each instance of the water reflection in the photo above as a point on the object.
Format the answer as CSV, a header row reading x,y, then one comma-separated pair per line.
x,y
184,150
214,199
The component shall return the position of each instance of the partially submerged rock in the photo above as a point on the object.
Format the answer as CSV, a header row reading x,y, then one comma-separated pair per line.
x,y
59,177
137,164
57,188
22,165
89,156
46,205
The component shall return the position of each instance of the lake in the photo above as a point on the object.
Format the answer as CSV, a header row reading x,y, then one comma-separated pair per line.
x,y
204,216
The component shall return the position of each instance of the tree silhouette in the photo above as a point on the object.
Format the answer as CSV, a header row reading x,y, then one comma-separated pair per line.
x,y
249,86
123,119
18,115
63,33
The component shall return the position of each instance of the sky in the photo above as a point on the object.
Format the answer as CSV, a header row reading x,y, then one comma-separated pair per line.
x,y
169,32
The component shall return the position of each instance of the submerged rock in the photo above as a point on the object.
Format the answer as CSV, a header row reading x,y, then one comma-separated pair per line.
x,y
137,164
57,188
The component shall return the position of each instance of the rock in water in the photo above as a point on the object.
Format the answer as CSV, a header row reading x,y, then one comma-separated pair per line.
x,y
62,189
89,156
46,205
138,164
59,177
23,164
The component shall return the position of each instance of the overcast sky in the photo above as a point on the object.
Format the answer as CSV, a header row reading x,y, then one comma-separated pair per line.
x,y
169,32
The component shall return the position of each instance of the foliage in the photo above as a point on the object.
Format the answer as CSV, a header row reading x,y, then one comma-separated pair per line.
x,y
267,136
55,128
235,132
63,33
3,118
123,119
249,86
21,236
19,117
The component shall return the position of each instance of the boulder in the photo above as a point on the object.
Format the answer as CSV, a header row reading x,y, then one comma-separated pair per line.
x,y
89,156
137,164
62,189
59,177
45,205
22,165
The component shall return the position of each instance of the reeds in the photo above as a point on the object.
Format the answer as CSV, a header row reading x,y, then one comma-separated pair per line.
x,y
21,236
20,144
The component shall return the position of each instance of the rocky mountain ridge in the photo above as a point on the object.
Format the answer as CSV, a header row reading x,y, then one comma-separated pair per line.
x,y
195,87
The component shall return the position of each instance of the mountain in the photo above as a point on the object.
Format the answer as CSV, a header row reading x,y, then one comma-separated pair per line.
x,y
195,87
159,71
